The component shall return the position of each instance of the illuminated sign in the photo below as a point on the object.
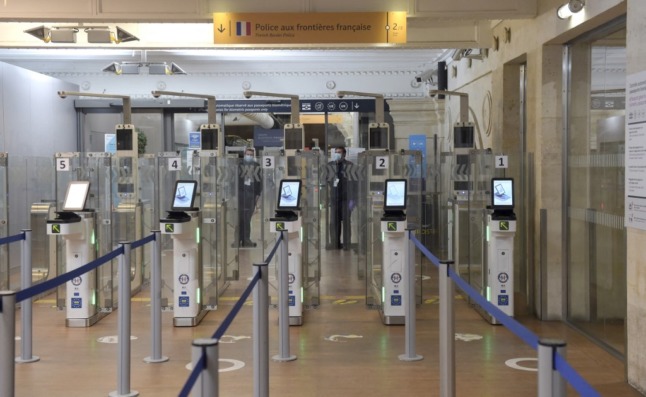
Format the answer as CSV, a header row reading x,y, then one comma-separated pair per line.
x,y
309,28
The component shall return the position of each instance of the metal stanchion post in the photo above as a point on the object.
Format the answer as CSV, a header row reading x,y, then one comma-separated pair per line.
x,y
26,305
7,342
207,383
123,364
155,303
550,382
283,303
261,333
447,331
409,303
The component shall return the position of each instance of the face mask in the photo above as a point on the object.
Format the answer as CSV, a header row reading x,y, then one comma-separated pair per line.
x,y
248,158
336,156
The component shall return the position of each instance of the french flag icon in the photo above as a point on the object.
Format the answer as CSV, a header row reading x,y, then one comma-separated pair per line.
x,y
243,28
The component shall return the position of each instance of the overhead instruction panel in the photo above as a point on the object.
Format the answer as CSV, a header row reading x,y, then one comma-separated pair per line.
x,y
310,28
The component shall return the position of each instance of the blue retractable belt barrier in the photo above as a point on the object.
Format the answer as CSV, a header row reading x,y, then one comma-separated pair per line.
x,y
56,281
560,364
236,308
273,251
190,382
578,383
11,239
143,241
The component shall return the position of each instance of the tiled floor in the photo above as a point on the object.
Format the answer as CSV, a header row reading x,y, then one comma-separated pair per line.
x,y
342,350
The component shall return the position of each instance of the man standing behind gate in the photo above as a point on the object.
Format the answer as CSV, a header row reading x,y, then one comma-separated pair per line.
x,y
342,199
249,189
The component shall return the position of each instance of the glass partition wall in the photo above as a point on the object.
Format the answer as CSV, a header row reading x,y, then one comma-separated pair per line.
x,y
596,237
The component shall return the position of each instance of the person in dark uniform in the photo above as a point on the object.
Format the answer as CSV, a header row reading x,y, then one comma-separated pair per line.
x,y
342,196
249,190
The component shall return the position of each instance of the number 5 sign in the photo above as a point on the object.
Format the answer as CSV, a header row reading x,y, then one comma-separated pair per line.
x,y
63,164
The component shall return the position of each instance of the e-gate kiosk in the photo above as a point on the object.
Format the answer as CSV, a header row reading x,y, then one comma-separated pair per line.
x,y
288,220
501,223
182,223
76,225
393,227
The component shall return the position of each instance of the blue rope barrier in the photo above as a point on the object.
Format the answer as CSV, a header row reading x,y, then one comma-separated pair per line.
x,y
578,383
514,326
143,241
11,239
425,251
570,374
273,251
56,281
190,382
236,308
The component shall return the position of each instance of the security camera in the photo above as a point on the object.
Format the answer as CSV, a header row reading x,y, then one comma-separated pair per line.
x,y
62,94
156,94
340,95
247,94
426,76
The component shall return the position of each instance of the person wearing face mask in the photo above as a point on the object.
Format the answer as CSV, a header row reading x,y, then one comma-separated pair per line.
x,y
342,199
249,190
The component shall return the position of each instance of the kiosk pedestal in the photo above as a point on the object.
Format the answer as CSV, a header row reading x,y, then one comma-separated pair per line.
x,y
292,225
183,228
77,229
500,258
394,260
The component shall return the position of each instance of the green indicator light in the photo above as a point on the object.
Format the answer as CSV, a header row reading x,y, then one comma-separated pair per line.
x,y
301,295
488,294
169,227
198,296
56,228
488,233
383,295
93,238
197,235
301,232
93,298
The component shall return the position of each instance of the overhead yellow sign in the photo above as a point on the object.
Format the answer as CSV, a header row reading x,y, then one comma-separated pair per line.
x,y
309,28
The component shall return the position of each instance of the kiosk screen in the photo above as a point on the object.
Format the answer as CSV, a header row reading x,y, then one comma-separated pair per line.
x,y
289,197
502,193
294,138
76,196
395,194
184,195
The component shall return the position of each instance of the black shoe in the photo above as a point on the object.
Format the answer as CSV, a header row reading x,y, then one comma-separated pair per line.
x,y
249,244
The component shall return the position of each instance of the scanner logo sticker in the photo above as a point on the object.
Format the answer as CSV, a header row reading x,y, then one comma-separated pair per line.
x,y
503,277
169,227
183,279
56,228
77,281
396,278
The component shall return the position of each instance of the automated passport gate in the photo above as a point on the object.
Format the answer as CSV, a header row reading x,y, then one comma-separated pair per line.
x,y
501,226
383,235
287,222
305,166
182,223
97,169
76,225
217,200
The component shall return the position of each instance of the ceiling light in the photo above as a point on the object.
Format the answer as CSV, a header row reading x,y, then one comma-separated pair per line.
x,y
67,34
41,32
114,67
570,8
123,36
154,68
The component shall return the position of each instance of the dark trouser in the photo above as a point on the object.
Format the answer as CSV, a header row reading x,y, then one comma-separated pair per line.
x,y
245,212
340,229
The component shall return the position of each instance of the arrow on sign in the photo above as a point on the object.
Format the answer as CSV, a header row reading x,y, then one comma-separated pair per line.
x,y
221,29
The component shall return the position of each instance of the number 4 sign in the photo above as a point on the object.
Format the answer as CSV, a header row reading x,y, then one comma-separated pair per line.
x,y
502,162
